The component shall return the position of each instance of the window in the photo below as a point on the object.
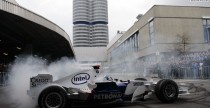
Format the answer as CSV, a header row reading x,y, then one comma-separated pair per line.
x,y
130,45
151,32
209,31
206,26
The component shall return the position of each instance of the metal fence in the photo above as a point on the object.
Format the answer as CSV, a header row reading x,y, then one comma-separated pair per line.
x,y
202,72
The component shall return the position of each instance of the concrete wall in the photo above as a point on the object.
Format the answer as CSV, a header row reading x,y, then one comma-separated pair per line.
x,y
12,1
90,56
13,8
90,53
169,21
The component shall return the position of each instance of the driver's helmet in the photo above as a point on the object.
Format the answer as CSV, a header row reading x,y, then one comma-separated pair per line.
x,y
107,78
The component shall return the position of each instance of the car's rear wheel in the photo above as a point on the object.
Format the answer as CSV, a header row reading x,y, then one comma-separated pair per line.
x,y
53,97
166,91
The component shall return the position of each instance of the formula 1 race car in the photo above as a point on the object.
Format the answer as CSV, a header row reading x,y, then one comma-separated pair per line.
x,y
82,87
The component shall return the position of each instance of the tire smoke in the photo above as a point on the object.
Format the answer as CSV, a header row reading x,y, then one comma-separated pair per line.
x,y
26,67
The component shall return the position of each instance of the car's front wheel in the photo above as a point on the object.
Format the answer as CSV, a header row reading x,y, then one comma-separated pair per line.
x,y
166,90
53,97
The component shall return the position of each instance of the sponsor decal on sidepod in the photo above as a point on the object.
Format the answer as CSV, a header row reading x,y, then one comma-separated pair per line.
x,y
108,96
37,82
80,78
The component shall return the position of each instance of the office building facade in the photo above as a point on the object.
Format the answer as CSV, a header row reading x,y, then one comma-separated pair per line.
x,y
90,19
164,37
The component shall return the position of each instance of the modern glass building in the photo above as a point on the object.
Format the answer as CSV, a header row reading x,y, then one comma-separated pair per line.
x,y
90,19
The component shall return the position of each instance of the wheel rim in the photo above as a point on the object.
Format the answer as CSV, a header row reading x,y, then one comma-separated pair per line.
x,y
170,90
53,100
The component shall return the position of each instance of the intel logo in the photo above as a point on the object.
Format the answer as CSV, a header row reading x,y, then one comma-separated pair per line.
x,y
80,78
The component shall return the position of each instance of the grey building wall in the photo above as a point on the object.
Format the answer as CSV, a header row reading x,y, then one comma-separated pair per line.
x,y
168,22
156,33
12,1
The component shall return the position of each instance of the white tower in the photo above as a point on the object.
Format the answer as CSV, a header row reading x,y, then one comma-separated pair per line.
x,y
90,19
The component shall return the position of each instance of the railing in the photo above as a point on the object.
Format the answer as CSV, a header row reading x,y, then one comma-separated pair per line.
x,y
200,72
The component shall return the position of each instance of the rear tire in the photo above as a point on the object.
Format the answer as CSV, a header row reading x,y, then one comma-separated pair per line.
x,y
53,97
166,91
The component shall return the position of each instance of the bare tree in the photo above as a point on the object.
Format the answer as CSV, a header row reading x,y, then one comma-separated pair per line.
x,y
182,45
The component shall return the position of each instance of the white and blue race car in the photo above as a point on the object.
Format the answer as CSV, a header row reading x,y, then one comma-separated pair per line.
x,y
82,87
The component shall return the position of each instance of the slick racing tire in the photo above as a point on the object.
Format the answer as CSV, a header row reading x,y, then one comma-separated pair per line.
x,y
53,97
166,91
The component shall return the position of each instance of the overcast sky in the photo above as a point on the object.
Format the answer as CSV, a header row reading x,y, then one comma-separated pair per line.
x,y
122,13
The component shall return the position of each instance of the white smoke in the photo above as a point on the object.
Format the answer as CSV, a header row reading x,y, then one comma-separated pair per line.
x,y
24,68
126,68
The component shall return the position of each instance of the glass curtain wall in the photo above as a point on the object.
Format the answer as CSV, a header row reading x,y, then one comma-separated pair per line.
x,y
120,55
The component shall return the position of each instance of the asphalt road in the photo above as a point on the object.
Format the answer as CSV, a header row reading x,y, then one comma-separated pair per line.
x,y
199,98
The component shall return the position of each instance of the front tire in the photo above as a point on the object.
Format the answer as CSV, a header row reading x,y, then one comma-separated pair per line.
x,y
166,91
53,97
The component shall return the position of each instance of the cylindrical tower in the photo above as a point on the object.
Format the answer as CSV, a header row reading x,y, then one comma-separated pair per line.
x,y
90,21
81,23
81,11
100,21
100,11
